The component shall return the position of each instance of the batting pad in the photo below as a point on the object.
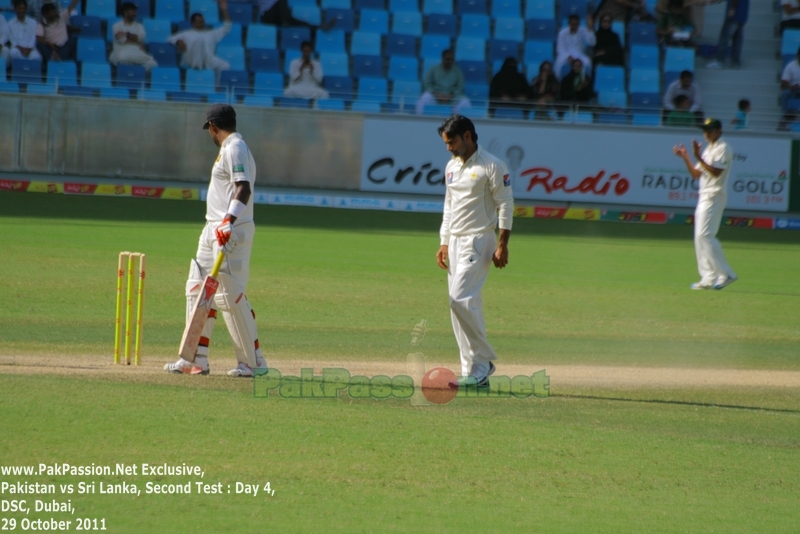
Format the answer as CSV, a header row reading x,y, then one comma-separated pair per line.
x,y
230,300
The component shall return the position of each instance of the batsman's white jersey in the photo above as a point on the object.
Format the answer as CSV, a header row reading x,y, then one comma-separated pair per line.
x,y
234,164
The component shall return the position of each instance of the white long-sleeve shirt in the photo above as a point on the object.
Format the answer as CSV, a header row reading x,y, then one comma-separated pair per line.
x,y
676,89
719,155
478,196
22,33
572,44
201,45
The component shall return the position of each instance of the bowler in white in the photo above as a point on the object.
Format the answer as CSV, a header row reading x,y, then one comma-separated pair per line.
x,y
712,169
478,199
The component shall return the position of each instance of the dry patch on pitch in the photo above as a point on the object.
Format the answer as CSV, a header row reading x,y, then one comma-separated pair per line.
x,y
560,375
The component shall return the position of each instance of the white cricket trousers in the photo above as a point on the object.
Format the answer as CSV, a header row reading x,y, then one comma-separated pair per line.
x,y
711,263
470,258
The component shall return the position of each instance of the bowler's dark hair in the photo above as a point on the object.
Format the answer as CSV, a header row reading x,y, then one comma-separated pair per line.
x,y
457,125
227,124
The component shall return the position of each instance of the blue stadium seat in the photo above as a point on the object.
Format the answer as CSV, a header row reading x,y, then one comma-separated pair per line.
x,y
396,6
26,71
335,64
220,98
294,103
262,36
90,26
200,81
73,90
478,93
472,6
581,117
330,41
618,27
474,71
537,51
362,106
406,92
609,79
367,66
62,73
790,41
645,100
166,79
374,21
669,77
361,5
540,9
6,87
171,10
442,25
437,110
509,28
428,64
295,3
439,7
407,23
643,57
153,96
365,44
92,50
241,14
235,81
165,54
572,7
509,114
260,101
372,90
642,33
194,98
500,49
157,30
644,81
292,37
233,37
233,55
470,49
116,93
265,60
344,19
479,112
403,68
339,87
475,26
336,4
612,118
433,46
506,8
268,84
401,45
104,9
310,14
646,119
41,89
678,59
96,75
288,57
612,99
330,104
130,76
540,30
208,8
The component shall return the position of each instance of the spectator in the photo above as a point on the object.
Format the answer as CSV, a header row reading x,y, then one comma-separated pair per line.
x,y
129,37
509,88
22,34
35,8
52,34
685,86
674,27
680,114
572,42
742,119
790,87
544,90
444,84
790,14
198,45
735,19
305,76
278,13
3,39
624,10
577,85
608,50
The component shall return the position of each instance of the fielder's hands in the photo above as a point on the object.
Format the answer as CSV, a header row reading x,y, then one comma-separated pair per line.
x,y
441,257
696,148
500,256
679,150
226,239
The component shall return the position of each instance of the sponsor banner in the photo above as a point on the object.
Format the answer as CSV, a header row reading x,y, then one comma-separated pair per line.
x,y
549,213
649,217
360,203
177,193
300,200
74,188
523,211
258,198
147,191
582,214
576,165
113,190
45,187
783,223
14,185
748,222
685,219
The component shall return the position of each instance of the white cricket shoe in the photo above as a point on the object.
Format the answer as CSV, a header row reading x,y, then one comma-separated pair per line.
x,y
477,377
724,281
245,371
700,285
198,367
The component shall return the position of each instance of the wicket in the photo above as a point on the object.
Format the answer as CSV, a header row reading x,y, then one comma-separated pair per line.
x,y
128,258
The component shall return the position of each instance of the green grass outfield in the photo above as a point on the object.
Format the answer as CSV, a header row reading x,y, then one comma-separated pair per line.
x,y
332,286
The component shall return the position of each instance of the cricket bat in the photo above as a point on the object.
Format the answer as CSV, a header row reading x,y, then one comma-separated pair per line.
x,y
197,321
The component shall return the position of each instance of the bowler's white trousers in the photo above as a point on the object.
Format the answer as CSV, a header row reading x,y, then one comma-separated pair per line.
x,y
470,258
711,263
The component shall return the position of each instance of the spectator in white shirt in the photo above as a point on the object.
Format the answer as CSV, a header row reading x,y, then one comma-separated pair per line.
x,y
52,33
22,34
684,86
3,39
790,87
305,76
572,43
129,37
790,14
198,45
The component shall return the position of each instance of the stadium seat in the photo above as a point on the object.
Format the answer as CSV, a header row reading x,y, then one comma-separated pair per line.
x,y
612,99
130,76
268,84
144,8
309,14
339,87
288,57
372,90
612,118
41,89
208,8
540,30
643,57
790,41
403,68
296,3
200,81
433,46
506,8
442,25
369,66
62,73
330,104
437,110
399,6
116,93
335,64
540,9
609,79
645,100
157,30
265,60
365,44
153,96
233,37
428,64
472,6
407,23
535,52
366,107
90,26
165,54
220,98
260,101
343,19
474,71
401,45
499,50
361,5
439,7
96,75
262,36
479,112
644,81
374,21
678,59
642,33
235,81
475,26
572,7
406,92
337,4
74,90
292,37
470,49
330,41
26,71
171,10
194,98
509,113
509,28
165,79
294,103
580,117
670,77
233,55
6,87
104,9
477,93
241,14
646,119
92,50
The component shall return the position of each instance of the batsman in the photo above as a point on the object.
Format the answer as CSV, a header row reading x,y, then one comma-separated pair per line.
x,y
227,236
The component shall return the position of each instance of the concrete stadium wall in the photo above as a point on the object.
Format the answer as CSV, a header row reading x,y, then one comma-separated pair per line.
x,y
165,141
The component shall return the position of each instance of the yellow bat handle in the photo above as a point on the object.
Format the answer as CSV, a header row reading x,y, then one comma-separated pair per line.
x,y
218,264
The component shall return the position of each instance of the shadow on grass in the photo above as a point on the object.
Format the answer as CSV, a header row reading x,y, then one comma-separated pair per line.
x,y
147,210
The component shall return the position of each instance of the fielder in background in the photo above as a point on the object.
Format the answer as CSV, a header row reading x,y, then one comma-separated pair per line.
x,y
229,226
712,169
478,188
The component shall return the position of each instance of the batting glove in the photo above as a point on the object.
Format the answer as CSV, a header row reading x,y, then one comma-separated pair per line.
x,y
226,239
